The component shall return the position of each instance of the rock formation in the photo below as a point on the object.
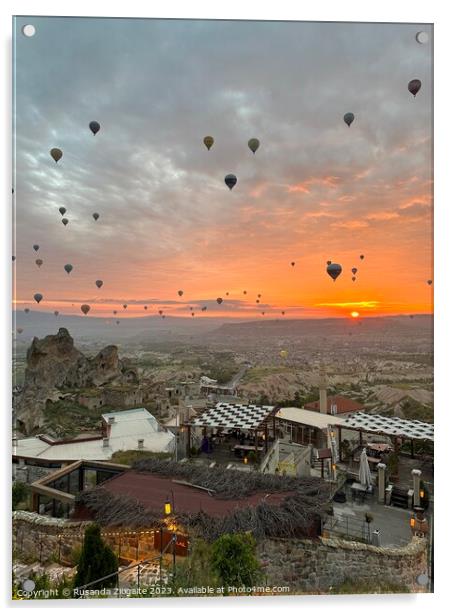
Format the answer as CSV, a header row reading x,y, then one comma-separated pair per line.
x,y
55,365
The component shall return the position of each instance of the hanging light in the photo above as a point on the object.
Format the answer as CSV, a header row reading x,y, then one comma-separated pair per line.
x,y
245,460
167,507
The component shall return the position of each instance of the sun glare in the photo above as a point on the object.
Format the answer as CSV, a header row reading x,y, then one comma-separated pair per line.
x,y
354,314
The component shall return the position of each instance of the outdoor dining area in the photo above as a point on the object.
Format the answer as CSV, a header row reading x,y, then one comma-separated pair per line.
x,y
232,432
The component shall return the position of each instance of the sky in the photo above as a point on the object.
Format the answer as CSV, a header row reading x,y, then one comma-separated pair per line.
x,y
315,190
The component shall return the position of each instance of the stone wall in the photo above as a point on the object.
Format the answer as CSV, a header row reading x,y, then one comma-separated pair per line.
x,y
303,565
316,566
44,539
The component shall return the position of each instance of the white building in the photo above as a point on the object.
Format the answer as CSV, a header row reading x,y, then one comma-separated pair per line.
x,y
135,429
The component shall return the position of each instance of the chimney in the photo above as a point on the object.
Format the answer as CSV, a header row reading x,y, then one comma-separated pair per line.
x,y
105,442
141,443
322,389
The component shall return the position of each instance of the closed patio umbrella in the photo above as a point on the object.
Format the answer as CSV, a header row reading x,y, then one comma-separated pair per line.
x,y
365,478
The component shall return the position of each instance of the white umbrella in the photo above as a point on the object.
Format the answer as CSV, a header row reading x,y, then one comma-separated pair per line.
x,y
365,478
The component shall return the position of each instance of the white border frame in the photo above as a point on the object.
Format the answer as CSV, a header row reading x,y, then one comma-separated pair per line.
x,y
435,11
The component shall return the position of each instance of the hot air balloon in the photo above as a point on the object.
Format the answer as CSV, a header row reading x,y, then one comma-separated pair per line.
x,y
227,292
95,216
190,308
263,313
230,180
258,301
361,257
334,270
163,316
14,258
208,141
62,211
328,262
429,282
180,293
124,306
56,154
56,313
64,221
348,118
99,283
354,270
192,314
117,322
219,300
39,262
353,278
145,307
283,353
204,308
414,86
411,316
26,310
37,297
19,330
253,144
282,312
95,127
36,247
292,263
244,292
160,312
85,308
68,268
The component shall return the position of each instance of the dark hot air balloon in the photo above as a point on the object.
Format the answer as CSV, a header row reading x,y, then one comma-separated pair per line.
x,y
282,312
37,297
36,247
292,263
62,211
328,262
353,278
348,118
68,268
56,154
180,293
334,270
99,283
354,270
124,306
429,282
64,221
208,141
95,127
145,307
95,216
219,300
230,180
39,262
253,144
414,86
361,257
26,310
85,308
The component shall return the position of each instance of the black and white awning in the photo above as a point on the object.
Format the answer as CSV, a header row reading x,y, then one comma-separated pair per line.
x,y
229,415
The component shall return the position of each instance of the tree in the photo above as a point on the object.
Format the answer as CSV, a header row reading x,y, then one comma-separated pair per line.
x,y
96,561
234,560
196,570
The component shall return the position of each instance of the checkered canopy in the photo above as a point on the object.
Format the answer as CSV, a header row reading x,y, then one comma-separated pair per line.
x,y
391,426
229,415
